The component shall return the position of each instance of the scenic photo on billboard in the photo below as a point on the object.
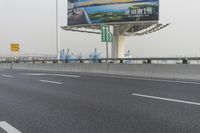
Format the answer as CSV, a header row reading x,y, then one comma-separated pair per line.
x,y
81,12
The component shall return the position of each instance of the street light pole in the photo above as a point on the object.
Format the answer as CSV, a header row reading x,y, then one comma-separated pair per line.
x,y
57,32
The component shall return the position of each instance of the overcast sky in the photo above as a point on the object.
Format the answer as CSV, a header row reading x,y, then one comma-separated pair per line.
x,y
32,24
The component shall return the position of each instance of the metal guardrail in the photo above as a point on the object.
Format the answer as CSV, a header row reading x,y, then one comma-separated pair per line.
x,y
177,60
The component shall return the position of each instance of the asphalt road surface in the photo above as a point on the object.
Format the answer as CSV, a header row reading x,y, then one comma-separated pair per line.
x,y
54,102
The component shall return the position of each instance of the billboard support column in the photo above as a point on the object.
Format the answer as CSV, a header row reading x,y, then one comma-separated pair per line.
x,y
118,45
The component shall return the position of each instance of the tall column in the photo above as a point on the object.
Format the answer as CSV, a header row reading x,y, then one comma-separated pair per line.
x,y
118,46
57,32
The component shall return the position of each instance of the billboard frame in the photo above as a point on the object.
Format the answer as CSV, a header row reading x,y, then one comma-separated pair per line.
x,y
144,28
113,23
118,23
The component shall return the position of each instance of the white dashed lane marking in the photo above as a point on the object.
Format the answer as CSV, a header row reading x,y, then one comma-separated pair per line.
x,y
8,128
52,82
7,76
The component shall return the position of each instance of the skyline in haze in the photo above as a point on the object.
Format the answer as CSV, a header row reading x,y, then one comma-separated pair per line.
x,y
32,24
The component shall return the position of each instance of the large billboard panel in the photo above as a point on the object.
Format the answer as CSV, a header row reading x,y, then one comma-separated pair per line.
x,y
84,12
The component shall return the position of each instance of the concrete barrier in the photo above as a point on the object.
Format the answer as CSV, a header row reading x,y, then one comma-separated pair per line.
x,y
166,71
5,65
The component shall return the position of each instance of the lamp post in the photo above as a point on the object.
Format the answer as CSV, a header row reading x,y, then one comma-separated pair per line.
x,y
57,32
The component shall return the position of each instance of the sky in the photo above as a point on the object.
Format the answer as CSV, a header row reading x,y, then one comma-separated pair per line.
x,y
32,24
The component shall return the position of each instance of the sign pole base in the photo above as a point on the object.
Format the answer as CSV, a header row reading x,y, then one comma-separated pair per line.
x,y
106,51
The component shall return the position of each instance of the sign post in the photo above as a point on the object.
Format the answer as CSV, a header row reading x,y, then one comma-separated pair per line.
x,y
14,47
106,36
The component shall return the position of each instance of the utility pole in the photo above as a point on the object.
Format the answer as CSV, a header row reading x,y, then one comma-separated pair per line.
x,y
57,32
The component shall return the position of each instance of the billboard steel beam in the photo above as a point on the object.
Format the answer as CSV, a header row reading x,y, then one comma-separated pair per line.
x,y
130,29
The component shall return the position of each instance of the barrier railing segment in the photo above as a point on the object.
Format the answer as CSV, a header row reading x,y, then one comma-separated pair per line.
x,y
171,60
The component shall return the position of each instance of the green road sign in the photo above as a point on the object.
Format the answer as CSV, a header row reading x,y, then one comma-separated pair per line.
x,y
106,35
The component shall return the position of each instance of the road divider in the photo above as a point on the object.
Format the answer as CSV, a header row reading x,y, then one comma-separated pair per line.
x,y
153,71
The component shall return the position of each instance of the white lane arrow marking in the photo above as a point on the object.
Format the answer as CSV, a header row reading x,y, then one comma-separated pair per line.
x,y
8,128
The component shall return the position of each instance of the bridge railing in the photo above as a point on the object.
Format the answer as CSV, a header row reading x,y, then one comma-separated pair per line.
x,y
182,60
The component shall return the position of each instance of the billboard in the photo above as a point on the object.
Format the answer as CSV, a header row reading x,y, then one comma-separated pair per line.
x,y
87,12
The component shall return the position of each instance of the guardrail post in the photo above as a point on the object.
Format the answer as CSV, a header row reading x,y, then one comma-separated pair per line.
x,y
54,62
11,65
185,61
148,61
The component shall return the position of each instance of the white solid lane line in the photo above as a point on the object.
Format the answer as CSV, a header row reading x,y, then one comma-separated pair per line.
x,y
169,81
49,74
7,76
52,82
113,76
145,79
166,99
8,128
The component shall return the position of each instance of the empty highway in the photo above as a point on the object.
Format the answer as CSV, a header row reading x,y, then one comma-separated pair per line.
x,y
55,102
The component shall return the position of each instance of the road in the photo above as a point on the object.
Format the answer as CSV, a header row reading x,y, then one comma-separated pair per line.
x,y
53,102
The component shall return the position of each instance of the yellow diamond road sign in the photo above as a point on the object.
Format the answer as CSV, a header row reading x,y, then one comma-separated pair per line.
x,y
14,47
